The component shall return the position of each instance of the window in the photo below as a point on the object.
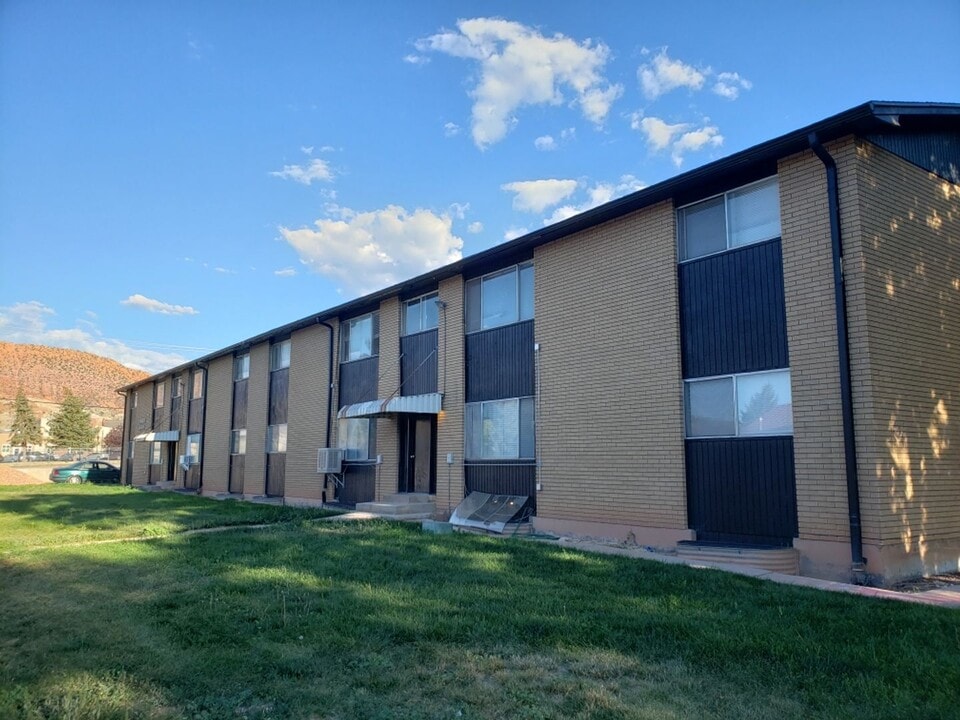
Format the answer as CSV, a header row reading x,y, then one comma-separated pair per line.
x,y
238,442
136,395
500,298
196,392
357,437
421,314
158,397
740,405
177,387
280,355
277,438
156,453
500,430
193,448
360,338
750,214
241,367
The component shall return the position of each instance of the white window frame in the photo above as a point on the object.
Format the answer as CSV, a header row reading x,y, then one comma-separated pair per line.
x,y
280,355
515,270
241,367
156,453
520,430
196,384
193,439
772,179
159,395
346,338
238,441
278,431
420,313
734,377
177,387
354,454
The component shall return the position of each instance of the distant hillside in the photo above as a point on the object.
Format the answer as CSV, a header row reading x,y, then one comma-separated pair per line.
x,y
44,372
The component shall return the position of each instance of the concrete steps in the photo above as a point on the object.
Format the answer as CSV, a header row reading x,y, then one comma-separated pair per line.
x,y
771,559
402,506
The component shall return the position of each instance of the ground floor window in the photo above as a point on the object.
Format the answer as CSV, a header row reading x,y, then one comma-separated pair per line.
x,y
277,438
357,437
156,453
238,442
742,405
193,449
500,430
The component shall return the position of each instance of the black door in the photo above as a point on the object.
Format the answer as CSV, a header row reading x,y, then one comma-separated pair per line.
x,y
171,461
418,454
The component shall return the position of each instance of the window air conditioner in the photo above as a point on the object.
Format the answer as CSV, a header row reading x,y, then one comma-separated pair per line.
x,y
329,460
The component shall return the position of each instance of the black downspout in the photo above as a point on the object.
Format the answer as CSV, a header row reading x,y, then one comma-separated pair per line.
x,y
843,346
329,327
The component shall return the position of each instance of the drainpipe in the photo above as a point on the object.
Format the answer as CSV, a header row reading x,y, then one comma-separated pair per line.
x,y
328,326
843,346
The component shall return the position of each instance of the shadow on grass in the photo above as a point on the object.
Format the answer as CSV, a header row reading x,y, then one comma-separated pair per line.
x,y
381,620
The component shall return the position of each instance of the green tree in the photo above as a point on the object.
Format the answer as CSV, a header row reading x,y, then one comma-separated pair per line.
x,y
26,426
760,404
70,427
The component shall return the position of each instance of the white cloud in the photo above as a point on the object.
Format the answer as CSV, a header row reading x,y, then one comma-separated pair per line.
x,y
156,306
225,271
306,149
695,140
366,251
451,129
415,59
598,194
729,84
475,228
680,138
545,142
285,272
306,174
658,132
459,210
665,74
537,195
27,323
568,134
514,232
519,66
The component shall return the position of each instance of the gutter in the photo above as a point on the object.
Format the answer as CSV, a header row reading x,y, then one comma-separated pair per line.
x,y
843,347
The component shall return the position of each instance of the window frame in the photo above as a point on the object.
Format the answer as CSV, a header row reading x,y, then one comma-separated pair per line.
x,y
280,358
176,387
280,430
238,441
347,334
516,270
520,457
420,300
735,377
196,384
156,453
728,246
194,439
241,367
159,394
371,432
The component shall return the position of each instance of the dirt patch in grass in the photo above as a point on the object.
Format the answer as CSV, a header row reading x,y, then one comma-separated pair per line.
x,y
12,476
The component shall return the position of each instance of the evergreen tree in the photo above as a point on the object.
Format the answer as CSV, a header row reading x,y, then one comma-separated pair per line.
x,y
70,427
26,426
759,404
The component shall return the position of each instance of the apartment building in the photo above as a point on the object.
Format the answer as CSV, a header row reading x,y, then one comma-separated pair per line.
x,y
761,353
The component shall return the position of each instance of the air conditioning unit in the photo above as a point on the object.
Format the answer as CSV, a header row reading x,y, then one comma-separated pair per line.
x,y
186,461
329,460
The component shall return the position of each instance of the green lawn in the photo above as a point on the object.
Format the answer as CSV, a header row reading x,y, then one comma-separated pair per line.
x,y
376,620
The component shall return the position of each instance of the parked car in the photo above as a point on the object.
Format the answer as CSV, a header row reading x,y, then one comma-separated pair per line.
x,y
86,471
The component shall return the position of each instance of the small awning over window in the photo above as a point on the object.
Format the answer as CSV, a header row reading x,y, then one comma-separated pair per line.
x,y
163,436
428,404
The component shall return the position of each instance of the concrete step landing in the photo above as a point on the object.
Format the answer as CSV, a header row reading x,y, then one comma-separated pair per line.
x,y
402,506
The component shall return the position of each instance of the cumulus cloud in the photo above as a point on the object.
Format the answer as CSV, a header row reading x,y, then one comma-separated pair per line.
x,y
28,323
729,85
475,228
537,195
664,74
366,251
680,138
451,129
305,174
597,194
514,232
545,142
519,66
156,306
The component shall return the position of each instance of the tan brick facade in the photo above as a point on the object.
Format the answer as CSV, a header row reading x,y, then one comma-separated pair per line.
x,y
450,383
611,395
388,385
216,425
142,418
258,397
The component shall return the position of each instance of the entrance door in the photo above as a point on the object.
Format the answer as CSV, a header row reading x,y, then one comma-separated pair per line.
x,y
171,464
418,435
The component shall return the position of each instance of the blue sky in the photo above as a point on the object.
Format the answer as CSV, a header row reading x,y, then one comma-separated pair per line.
x,y
177,176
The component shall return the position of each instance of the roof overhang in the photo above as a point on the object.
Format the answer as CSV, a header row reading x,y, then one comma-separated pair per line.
x,y
429,404
162,436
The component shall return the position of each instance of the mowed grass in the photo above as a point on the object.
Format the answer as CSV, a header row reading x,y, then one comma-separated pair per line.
x,y
378,620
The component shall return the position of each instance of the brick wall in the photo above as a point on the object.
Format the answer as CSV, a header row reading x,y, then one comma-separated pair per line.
x,y
216,429
611,404
258,399
142,417
388,384
450,382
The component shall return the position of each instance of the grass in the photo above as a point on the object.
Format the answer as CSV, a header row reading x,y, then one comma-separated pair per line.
x,y
377,620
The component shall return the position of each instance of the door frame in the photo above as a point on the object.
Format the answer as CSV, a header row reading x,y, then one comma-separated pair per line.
x,y
406,467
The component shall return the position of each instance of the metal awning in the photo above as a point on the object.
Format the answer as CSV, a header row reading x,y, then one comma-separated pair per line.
x,y
428,404
162,436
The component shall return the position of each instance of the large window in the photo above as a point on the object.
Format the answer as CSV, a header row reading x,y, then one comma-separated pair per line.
x,y
177,387
500,430
238,442
740,405
193,448
158,399
360,337
156,453
196,391
357,437
279,356
421,314
500,298
276,438
241,367
747,215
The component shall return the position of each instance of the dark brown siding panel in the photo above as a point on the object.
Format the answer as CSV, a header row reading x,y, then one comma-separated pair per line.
x,y
276,474
158,473
359,483
279,381
358,381
196,416
175,407
499,363
742,490
236,473
192,480
418,363
503,479
732,312
240,404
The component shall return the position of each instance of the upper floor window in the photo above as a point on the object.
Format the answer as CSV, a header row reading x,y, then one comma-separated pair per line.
x,y
500,298
740,217
360,337
241,367
177,387
158,399
276,438
196,391
421,314
279,356
740,405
